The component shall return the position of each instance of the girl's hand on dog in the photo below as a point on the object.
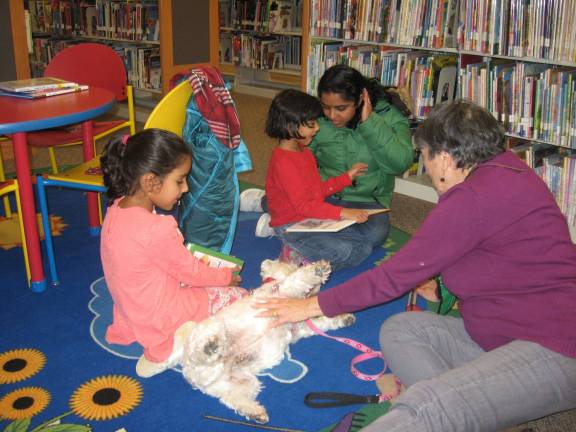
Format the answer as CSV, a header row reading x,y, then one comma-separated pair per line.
x,y
288,310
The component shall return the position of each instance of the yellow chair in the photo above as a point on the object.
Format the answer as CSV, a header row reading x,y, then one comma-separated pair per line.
x,y
11,186
170,113
86,176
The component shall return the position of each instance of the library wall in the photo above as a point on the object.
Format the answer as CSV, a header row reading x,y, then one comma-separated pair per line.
x,y
8,71
191,35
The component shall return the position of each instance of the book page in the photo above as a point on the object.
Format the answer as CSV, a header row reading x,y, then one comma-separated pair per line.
x,y
327,225
213,258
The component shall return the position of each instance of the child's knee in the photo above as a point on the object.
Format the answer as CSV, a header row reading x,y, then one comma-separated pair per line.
x,y
350,254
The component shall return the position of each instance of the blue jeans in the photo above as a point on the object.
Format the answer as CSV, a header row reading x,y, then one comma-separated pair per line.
x,y
454,385
346,248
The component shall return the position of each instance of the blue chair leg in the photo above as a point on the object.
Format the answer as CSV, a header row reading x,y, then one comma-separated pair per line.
x,y
47,231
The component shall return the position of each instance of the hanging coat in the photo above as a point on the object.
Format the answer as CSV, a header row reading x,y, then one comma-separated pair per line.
x,y
209,210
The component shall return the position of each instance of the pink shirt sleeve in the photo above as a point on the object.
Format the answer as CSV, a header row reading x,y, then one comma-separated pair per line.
x,y
167,250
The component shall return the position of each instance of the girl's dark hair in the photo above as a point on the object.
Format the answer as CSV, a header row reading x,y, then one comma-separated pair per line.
x,y
349,83
467,132
288,110
150,151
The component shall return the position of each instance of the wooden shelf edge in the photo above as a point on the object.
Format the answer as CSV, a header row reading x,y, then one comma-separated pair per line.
x,y
416,187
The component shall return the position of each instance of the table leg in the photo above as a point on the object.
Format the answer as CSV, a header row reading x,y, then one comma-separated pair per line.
x,y
20,146
91,197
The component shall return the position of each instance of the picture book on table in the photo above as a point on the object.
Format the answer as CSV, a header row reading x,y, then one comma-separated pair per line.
x,y
35,84
37,94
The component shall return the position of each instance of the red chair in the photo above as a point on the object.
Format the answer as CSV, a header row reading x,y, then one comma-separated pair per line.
x,y
98,66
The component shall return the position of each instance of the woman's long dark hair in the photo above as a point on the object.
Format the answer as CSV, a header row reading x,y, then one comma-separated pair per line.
x,y
125,159
349,83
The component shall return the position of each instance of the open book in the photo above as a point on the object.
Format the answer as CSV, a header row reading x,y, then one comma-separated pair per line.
x,y
214,258
327,225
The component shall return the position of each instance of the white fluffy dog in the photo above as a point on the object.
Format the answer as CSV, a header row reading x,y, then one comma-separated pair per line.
x,y
224,353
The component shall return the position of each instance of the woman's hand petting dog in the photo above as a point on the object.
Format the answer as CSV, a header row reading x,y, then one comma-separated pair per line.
x,y
288,310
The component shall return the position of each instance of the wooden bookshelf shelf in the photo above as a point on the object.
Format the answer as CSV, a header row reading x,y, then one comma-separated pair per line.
x,y
265,36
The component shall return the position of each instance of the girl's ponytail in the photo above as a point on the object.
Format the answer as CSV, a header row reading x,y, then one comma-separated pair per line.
x,y
112,170
126,158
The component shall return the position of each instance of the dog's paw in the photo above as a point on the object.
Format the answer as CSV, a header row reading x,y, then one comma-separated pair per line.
x,y
306,281
256,413
322,270
347,319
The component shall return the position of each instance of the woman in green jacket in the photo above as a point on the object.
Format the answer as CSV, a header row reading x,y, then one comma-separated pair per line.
x,y
364,122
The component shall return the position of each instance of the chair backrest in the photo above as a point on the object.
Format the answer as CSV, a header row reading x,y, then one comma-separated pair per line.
x,y
170,113
92,64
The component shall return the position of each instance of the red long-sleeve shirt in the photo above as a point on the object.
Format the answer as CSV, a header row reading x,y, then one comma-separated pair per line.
x,y
295,191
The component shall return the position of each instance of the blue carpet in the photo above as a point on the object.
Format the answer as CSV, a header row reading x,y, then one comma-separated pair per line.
x,y
65,324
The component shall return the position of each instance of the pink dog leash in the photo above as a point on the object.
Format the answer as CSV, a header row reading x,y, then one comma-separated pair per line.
x,y
333,399
367,353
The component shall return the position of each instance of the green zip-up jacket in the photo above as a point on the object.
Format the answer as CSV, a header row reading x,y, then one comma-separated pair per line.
x,y
383,141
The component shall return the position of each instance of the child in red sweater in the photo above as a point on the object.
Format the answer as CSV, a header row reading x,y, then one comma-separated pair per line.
x,y
295,191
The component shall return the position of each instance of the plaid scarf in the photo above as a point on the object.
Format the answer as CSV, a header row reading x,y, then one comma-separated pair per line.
x,y
216,105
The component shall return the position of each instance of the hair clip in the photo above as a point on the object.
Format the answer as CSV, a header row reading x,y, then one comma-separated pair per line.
x,y
125,139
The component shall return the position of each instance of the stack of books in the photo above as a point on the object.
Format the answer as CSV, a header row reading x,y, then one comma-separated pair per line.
x,y
36,88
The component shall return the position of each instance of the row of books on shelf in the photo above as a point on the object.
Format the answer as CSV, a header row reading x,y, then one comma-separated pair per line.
x,y
514,28
429,23
142,66
43,51
541,29
273,16
142,61
533,100
557,167
260,52
136,21
36,88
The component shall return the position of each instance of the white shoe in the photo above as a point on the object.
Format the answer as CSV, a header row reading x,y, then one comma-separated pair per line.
x,y
146,368
251,200
263,228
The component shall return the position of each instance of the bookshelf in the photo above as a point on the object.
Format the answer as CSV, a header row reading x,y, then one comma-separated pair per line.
x,y
156,38
260,43
517,60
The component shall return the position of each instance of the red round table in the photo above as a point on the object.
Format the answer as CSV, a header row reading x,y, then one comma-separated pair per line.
x,y
18,116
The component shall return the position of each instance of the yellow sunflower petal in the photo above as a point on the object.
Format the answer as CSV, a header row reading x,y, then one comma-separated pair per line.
x,y
24,403
20,364
106,397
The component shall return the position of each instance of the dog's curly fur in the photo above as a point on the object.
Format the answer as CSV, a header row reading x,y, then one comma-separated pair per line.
x,y
224,353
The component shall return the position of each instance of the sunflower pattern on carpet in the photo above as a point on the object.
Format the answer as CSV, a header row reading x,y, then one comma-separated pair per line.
x,y
101,398
10,229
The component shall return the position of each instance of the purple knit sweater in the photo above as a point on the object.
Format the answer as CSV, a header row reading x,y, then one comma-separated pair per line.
x,y
501,245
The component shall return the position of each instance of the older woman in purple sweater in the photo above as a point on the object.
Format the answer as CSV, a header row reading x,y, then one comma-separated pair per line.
x,y
502,246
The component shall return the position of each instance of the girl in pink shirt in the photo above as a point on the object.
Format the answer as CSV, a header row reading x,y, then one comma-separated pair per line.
x,y
159,289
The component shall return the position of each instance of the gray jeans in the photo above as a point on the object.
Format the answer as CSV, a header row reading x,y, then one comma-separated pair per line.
x,y
453,385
